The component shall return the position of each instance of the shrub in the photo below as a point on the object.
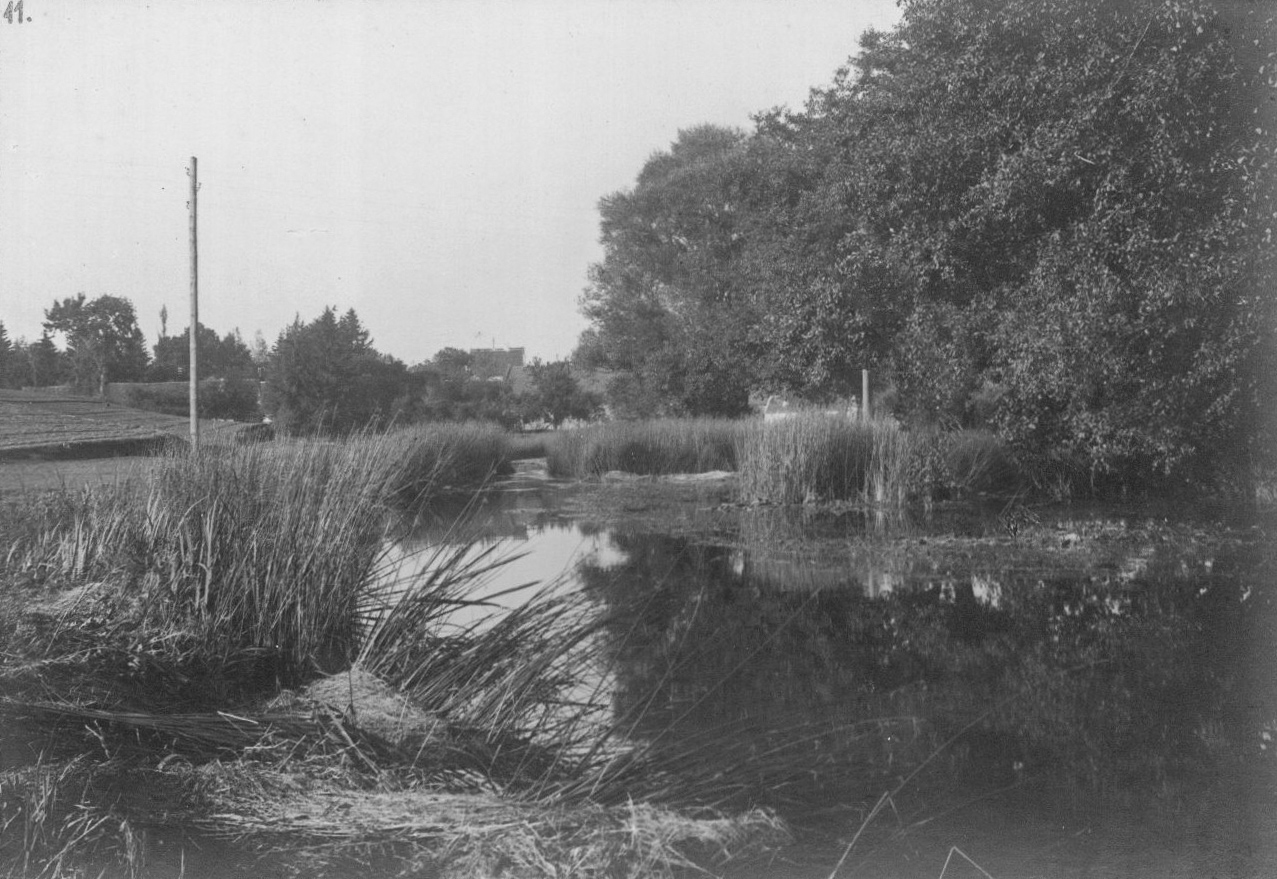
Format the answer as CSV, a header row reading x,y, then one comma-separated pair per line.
x,y
232,399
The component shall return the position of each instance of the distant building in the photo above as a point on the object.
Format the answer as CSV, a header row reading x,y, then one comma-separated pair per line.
x,y
489,363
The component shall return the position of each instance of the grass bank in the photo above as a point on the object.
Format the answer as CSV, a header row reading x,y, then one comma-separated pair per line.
x,y
222,646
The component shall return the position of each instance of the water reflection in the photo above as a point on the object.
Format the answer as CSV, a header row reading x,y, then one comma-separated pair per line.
x,y
823,697
811,662
526,530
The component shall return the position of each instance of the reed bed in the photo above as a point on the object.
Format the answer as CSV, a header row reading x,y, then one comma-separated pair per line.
x,y
534,444
814,457
806,458
657,447
251,558
184,620
454,456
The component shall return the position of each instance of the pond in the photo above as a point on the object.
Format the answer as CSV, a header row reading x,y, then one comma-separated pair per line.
x,y
1069,691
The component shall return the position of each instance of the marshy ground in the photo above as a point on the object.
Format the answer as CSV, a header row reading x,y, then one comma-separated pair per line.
x,y
1078,690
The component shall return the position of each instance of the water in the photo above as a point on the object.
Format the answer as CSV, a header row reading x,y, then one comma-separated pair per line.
x,y
1092,696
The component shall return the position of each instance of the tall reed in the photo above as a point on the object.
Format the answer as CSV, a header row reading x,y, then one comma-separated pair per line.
x,y
662,446
262,551
812,457
447,456
232,573
815,457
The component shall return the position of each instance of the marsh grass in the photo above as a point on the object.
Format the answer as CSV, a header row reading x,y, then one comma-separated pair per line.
x,y
529,445
815,457
657,447
807,458
446,456
821,458
171,614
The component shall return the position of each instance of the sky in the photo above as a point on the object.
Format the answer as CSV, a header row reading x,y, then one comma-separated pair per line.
x,y
435,165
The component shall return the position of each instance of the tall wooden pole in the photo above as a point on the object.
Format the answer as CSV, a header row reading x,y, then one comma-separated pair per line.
x,y
195,313
864,394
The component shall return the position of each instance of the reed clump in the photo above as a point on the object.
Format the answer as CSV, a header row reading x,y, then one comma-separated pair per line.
x,y
657,447
261,552
447,456
814,457
177,624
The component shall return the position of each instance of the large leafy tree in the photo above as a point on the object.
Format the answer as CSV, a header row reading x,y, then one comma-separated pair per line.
x,y
1049,214
104,342
1052,217
1067,186
666,304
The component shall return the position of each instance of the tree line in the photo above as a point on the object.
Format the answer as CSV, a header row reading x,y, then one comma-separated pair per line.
x,y
1048,218
320,377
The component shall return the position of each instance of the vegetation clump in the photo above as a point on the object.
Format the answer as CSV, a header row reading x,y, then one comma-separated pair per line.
x,y
654,447
1044,219
805,458
226,647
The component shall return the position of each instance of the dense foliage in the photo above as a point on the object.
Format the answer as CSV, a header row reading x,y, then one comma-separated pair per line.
x,y
325,376
1048,217
219,357
104,342
556,395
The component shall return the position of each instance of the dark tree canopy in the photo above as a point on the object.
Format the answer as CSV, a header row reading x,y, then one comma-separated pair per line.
x,y
666,304
326,377
219,357
1050,217
557,395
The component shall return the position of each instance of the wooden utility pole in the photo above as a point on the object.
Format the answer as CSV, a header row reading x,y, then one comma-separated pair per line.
x,y
864,394
195,313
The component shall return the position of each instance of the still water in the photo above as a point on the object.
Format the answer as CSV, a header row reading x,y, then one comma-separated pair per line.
x,y
1091,693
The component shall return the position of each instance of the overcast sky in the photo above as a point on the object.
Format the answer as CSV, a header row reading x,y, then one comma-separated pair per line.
x,y
436,165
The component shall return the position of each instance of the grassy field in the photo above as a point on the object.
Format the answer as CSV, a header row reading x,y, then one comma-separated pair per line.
x,y
34,423
52,441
